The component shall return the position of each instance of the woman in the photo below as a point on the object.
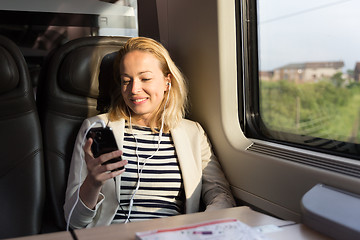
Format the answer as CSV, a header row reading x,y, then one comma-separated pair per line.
x,y
169,164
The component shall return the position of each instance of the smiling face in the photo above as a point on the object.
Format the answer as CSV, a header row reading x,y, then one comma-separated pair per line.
x,y
143,84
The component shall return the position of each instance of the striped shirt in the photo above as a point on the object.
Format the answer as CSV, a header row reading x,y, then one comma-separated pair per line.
x,y
160,192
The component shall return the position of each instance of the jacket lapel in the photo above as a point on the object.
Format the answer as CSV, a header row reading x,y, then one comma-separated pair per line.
x,y
189,170
118,130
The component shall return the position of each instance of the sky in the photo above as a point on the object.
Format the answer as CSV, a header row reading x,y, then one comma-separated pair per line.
x,y
308,31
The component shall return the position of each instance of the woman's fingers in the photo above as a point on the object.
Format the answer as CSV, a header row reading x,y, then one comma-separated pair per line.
x,y
112,161
111,155
98,168
87,146
113,174
108,171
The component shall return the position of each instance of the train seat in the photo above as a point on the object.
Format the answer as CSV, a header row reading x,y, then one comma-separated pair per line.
x,y
21,163
68,93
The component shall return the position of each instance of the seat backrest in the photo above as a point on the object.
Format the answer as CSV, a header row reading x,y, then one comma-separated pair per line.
x,y
22,184
67,94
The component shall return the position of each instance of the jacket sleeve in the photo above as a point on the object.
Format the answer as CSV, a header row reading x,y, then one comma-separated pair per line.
x,y
76,212
216,192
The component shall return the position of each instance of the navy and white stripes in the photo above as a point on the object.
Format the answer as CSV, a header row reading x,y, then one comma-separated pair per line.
x,y
161,190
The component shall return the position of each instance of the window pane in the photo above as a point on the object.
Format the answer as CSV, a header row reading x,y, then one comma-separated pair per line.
x,y
309,59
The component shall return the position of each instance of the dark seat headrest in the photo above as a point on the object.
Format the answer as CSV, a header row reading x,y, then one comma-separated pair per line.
x,y
8,70
79,72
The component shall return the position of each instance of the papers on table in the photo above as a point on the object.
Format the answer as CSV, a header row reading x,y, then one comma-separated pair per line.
x,y
229,229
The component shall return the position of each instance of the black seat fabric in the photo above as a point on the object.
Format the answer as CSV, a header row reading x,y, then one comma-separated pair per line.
x,y
22,183
68,93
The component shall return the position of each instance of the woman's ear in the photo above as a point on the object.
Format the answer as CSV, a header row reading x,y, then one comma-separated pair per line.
x,y
168,81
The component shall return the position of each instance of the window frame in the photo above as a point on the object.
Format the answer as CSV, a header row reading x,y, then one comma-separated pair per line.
x,y
249,93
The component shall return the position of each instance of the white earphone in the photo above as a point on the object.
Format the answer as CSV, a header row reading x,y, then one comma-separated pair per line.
x,y
169,84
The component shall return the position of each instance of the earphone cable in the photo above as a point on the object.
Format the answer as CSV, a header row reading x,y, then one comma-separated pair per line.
x,y
138,157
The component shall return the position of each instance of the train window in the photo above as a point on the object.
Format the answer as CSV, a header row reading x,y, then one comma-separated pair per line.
x,y
43,25
303,63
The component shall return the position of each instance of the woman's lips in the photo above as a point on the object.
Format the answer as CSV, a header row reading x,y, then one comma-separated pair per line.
x,y
139,100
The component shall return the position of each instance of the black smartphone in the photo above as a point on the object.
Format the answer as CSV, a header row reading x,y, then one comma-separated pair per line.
x,y
103,142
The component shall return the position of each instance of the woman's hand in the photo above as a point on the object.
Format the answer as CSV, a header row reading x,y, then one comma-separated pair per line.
x,y
98,173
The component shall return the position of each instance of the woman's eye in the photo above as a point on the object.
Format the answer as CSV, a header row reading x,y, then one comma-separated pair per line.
x,y
125,82
146,79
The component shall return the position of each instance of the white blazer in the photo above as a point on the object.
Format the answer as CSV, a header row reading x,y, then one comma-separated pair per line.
x,y
201,172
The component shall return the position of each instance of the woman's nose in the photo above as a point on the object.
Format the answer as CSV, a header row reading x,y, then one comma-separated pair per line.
x,y
136,87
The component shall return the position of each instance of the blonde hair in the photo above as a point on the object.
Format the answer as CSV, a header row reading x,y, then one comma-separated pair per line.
x,y
177,103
